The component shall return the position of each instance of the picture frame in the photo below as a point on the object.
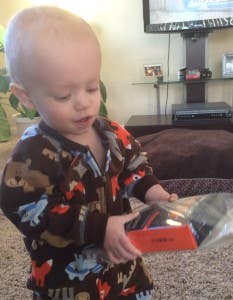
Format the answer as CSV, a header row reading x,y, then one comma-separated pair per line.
x,y
227,65
153,70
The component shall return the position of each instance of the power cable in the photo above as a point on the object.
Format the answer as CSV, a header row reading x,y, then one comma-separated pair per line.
x,y
168,71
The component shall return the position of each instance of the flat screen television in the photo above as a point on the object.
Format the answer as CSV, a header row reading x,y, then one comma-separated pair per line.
x,y
162,16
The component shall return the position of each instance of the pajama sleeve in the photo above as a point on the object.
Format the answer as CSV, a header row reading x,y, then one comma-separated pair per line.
x,y
137,175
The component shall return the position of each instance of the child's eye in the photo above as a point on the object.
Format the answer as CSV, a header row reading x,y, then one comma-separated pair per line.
x,y
92,90
62,98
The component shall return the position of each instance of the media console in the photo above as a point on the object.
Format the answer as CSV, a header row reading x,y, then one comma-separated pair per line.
x,y
139,125
201,112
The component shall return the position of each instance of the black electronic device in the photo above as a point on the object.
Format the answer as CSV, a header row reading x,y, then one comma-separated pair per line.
x,y
186,15
201,112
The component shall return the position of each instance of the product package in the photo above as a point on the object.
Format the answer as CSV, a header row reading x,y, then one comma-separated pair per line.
x,y
188,223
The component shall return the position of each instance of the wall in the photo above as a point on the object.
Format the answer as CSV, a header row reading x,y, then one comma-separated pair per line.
x,y
125,48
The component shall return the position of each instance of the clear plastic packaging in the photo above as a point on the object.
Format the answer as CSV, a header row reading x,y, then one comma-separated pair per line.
x,y
209,219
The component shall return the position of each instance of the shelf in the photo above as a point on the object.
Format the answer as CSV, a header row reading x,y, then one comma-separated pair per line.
x,y
191,86
175,81
139,125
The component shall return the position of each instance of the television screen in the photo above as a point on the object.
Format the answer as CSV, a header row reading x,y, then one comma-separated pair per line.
x,y
186,15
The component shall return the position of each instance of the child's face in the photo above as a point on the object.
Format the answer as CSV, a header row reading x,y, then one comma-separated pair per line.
x,y
64,85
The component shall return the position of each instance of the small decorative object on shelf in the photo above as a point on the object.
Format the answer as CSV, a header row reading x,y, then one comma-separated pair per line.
x,y
194,74
153,70
227,65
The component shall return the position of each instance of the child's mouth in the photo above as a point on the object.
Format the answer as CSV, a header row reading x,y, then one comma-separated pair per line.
x,y
82,122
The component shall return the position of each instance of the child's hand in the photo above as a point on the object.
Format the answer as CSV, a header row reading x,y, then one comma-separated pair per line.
x,y
173,197
157,193
116,243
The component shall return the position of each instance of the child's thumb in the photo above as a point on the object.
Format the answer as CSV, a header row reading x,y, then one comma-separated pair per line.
x,y
130,216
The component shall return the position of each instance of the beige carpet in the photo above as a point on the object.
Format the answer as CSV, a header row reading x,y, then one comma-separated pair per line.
x,y
191,275
206,274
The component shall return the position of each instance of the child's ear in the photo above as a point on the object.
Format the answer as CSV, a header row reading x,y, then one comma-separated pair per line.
x,y
22,95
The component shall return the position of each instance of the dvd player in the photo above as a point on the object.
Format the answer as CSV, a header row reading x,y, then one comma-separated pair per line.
x,y
194,112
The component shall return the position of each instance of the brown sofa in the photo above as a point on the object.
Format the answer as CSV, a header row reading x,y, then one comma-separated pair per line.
x,y
191,161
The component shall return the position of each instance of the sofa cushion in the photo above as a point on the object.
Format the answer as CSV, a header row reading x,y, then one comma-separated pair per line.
x,y
197,186
190,153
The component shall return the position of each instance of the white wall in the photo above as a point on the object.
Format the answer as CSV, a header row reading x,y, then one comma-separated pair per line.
x,y
125,48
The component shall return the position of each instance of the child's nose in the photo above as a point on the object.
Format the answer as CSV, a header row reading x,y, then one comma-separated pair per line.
x,y
81,101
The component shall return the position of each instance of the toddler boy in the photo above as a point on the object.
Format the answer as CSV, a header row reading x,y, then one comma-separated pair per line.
x,y
67,183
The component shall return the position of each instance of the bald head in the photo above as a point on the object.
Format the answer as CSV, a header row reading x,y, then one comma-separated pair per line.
x,y
36,28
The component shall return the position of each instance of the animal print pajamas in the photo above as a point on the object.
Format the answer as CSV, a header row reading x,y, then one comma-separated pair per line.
x,y
56,194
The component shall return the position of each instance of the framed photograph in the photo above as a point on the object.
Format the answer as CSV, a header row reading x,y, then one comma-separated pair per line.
x,y
227,65
153,70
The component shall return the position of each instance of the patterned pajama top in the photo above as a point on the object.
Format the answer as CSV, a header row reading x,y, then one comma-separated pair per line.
x,y
56,194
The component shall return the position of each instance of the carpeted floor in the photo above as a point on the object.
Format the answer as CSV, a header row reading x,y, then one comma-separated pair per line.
x,y
191,275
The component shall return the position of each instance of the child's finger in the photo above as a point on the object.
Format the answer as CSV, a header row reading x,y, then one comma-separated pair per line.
x,y
173,197
128,250
130,216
